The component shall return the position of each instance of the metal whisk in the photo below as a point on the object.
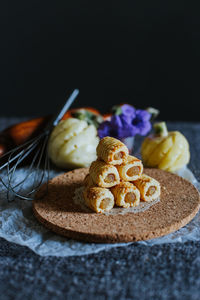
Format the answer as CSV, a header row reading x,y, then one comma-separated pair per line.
x,y
37,171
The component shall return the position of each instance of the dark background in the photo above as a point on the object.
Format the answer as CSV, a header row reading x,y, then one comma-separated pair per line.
x,y
142,52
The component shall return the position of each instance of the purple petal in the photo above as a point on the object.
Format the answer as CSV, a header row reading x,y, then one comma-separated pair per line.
x,y
116,121
127,119
121,127
143,115
104,129
144,128
128,110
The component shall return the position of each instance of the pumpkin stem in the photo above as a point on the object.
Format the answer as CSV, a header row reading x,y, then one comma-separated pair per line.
x,y
160,129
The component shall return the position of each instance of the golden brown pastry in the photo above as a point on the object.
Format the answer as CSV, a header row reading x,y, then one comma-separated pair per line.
x,y
112,151
98,199
130,170
104,175
88,182
126,194
149,187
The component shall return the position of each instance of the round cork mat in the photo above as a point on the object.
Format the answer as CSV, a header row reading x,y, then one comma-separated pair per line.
x,y
179,203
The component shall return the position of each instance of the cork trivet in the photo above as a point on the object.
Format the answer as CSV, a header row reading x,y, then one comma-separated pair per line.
x,y
179,203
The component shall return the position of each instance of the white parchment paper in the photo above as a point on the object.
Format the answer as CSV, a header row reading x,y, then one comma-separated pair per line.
x,y
18,225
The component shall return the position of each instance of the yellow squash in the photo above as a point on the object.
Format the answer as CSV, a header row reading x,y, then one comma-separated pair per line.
x,y
165,150
72,144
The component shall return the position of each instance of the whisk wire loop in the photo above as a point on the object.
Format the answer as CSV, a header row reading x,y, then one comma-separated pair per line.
x,y
38,169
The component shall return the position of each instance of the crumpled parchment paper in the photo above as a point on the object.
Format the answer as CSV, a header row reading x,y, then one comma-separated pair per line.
x,y
18,225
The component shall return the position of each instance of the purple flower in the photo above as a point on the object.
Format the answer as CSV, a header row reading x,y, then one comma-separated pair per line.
x,y
142,122
129,123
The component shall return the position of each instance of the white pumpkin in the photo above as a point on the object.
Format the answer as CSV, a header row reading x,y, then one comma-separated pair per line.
x,y
73,143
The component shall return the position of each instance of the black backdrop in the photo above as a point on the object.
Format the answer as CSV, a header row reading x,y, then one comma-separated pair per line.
x,y
142,52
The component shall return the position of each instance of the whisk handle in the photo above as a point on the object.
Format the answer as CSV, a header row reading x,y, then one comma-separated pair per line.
x,y
55,120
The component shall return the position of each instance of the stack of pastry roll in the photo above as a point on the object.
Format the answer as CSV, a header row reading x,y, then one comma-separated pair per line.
x,y
116,178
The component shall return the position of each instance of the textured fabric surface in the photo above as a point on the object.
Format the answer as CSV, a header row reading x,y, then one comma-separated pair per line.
x,y
169,271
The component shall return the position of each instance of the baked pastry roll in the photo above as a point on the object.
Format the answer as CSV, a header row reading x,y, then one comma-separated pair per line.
x,y
149,187
104,175
126,194
88,182
98,199
112,151
130,170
